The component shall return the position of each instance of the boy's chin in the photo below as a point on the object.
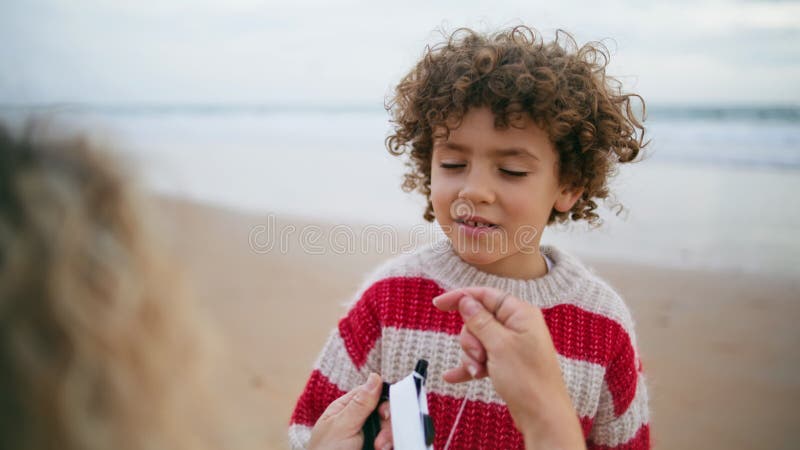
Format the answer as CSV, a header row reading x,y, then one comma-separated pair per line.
x,y
478,257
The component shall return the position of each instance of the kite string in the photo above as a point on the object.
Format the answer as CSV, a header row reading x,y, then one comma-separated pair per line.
x,y
458,417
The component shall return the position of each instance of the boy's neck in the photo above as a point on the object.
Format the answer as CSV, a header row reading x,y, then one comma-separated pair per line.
x,y
523,266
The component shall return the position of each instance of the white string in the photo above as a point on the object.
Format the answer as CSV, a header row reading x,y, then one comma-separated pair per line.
x,y
458,416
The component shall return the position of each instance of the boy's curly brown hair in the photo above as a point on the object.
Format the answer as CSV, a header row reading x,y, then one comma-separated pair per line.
x,y
561,86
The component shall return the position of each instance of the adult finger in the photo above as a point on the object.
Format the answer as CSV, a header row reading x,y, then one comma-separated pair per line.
x,y
472,346
481,323
509,310
474,368
457,374
384,440
385,411
469,369
338,405
361,404
500,303
449,300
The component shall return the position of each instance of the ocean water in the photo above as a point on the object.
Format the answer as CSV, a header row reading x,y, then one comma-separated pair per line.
x,y
717,189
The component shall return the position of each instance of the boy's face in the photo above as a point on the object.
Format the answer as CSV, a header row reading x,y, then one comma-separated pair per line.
x,y
505,178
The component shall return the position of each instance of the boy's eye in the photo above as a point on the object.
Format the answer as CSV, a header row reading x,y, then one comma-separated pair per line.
x,y
514,173
451,166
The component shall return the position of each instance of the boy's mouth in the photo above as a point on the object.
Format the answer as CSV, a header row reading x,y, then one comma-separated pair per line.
x,y
476,222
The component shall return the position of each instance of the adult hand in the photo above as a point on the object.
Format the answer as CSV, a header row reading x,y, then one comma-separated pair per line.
x,y
507,340
340,425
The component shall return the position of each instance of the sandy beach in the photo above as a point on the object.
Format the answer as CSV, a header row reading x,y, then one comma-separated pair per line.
x,y
719,348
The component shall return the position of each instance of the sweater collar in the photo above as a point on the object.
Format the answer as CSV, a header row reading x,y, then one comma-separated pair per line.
x,y
442,263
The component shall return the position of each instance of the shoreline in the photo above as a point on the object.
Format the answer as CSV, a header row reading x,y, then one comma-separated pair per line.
x,y
315,231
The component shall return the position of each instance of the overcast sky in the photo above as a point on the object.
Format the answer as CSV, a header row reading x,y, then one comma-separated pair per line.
x,y
330,52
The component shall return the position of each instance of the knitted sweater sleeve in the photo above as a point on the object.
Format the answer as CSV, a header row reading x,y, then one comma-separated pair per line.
x,y
351,352
622,419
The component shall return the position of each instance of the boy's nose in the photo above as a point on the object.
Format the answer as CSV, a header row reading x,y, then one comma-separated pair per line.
x,y
477,188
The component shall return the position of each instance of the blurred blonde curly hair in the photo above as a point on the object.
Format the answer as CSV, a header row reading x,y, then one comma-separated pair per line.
x,y
98,347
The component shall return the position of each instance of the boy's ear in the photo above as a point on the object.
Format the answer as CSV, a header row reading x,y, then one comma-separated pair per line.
x,y
567,197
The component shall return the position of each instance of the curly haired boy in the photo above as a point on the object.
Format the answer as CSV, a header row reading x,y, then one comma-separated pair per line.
x,y
505,134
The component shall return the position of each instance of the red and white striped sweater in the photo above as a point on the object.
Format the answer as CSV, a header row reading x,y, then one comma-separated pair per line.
x,y
393,323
